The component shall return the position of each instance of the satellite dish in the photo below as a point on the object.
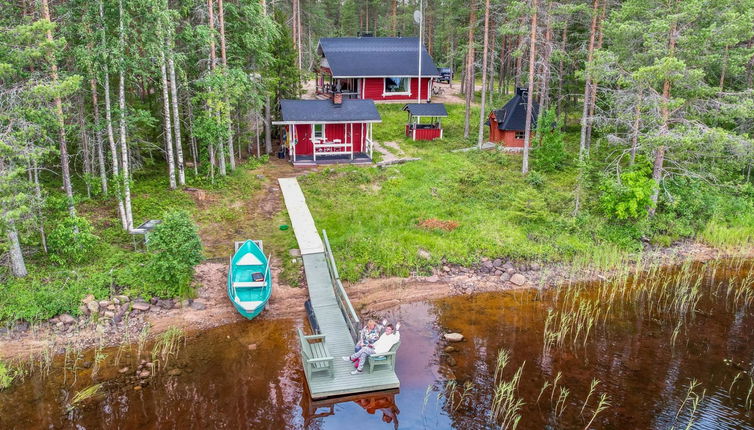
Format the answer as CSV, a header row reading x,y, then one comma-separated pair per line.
x,y
417,16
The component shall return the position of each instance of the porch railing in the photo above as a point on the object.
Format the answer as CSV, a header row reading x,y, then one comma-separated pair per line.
x,y
344,303
327,147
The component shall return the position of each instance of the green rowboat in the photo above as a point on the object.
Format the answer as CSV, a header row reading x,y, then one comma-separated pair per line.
x,y
249,279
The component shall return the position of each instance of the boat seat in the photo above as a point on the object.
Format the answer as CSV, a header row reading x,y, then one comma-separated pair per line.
x,y
249,306
249,284
249,260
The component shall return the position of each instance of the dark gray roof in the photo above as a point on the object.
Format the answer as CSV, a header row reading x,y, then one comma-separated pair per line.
x,y
352,110
426,109
376,56
512,116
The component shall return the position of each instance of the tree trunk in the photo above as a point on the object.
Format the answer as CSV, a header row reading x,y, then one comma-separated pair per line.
x,y
595,84
635,131
84,137
223,55
267,126
64,163
480,134
17,265
544,92
530,93
561,73
394,17
194,150
211,15
109,127
724,66
469,91
176,118
750,66
167,127
658,169
98,134
122,108
583,148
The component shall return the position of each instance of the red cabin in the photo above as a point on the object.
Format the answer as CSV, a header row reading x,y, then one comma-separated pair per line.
x,y
508,123
417,129
377,68
326,132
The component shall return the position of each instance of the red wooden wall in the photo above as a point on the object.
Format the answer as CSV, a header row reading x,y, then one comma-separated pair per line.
x,y
508,137
424,133
332,131
372,88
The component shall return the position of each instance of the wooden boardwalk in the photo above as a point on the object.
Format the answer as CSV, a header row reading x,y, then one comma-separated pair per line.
x,y
333,310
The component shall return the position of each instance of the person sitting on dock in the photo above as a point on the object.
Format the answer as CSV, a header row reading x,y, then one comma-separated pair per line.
x,y
369,334
381,346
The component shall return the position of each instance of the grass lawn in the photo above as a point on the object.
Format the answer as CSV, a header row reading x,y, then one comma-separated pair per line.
x,y
374,216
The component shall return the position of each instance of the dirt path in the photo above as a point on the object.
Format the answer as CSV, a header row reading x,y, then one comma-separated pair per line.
x,y
388,155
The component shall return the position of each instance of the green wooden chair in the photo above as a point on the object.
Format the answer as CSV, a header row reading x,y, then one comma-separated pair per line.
x,y
314,355
386,359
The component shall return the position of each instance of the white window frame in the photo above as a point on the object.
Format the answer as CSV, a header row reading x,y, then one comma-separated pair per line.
x,y
314,131
385,92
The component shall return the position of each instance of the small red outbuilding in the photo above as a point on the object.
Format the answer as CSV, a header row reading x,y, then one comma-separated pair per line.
x,y
508,123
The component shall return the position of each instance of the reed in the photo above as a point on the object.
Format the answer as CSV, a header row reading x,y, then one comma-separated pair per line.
x,y
693,399
506,405
603,404
561,404
83,395
592,386
167,345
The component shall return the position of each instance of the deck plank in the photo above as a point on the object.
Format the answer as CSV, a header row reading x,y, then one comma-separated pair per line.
x,y
329,315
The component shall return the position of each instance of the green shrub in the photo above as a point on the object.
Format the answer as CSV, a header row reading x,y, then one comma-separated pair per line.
x,y
6,376
71,241
535,179
631,195
176,249
550,155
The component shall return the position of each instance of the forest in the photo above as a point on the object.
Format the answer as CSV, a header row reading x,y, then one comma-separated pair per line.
x,y
113,112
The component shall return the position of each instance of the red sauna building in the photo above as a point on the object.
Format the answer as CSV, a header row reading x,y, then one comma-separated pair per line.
x,y
328,131
508,123
377,68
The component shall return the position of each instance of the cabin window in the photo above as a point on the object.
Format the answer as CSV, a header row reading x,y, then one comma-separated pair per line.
x,y
520,135
396,85
318,131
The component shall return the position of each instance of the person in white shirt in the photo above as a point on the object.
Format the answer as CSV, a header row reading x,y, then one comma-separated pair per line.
x,y
390,337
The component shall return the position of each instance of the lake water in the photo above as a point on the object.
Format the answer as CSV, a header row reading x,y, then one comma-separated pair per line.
x,y
248,375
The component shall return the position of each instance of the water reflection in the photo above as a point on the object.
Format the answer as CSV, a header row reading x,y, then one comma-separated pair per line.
x,y
248,375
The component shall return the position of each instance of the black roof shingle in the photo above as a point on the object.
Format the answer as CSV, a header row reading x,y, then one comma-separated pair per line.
x,y
426,109
512,116
351,110
376,57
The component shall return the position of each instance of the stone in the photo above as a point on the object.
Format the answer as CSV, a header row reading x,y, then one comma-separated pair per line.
x,y
505,277
93,307
67,319
294,252
252,347
498,272
451,361
84,310
149,364
115,300
137,387
153,300
510,271
534,266
104,303
423,253
453,337
198,306
508,265
445,269
123,299
111,308
154,308
86,364
518,279
432,279
123,370
450,349
144,374
186,303
174,372
59,324
108,314
497,262
487,265
165,304
21,327
140,306
54,320
87,299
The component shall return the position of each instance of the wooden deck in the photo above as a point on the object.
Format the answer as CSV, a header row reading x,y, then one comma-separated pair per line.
x,y
331,307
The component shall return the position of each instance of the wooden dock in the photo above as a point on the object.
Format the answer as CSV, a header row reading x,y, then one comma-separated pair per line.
x,y
335,315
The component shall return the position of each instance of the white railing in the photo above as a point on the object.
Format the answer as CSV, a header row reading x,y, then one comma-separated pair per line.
x,y
344,303
331,147
370,147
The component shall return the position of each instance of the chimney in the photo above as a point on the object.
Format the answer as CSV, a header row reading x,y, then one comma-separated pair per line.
x,y
337,99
